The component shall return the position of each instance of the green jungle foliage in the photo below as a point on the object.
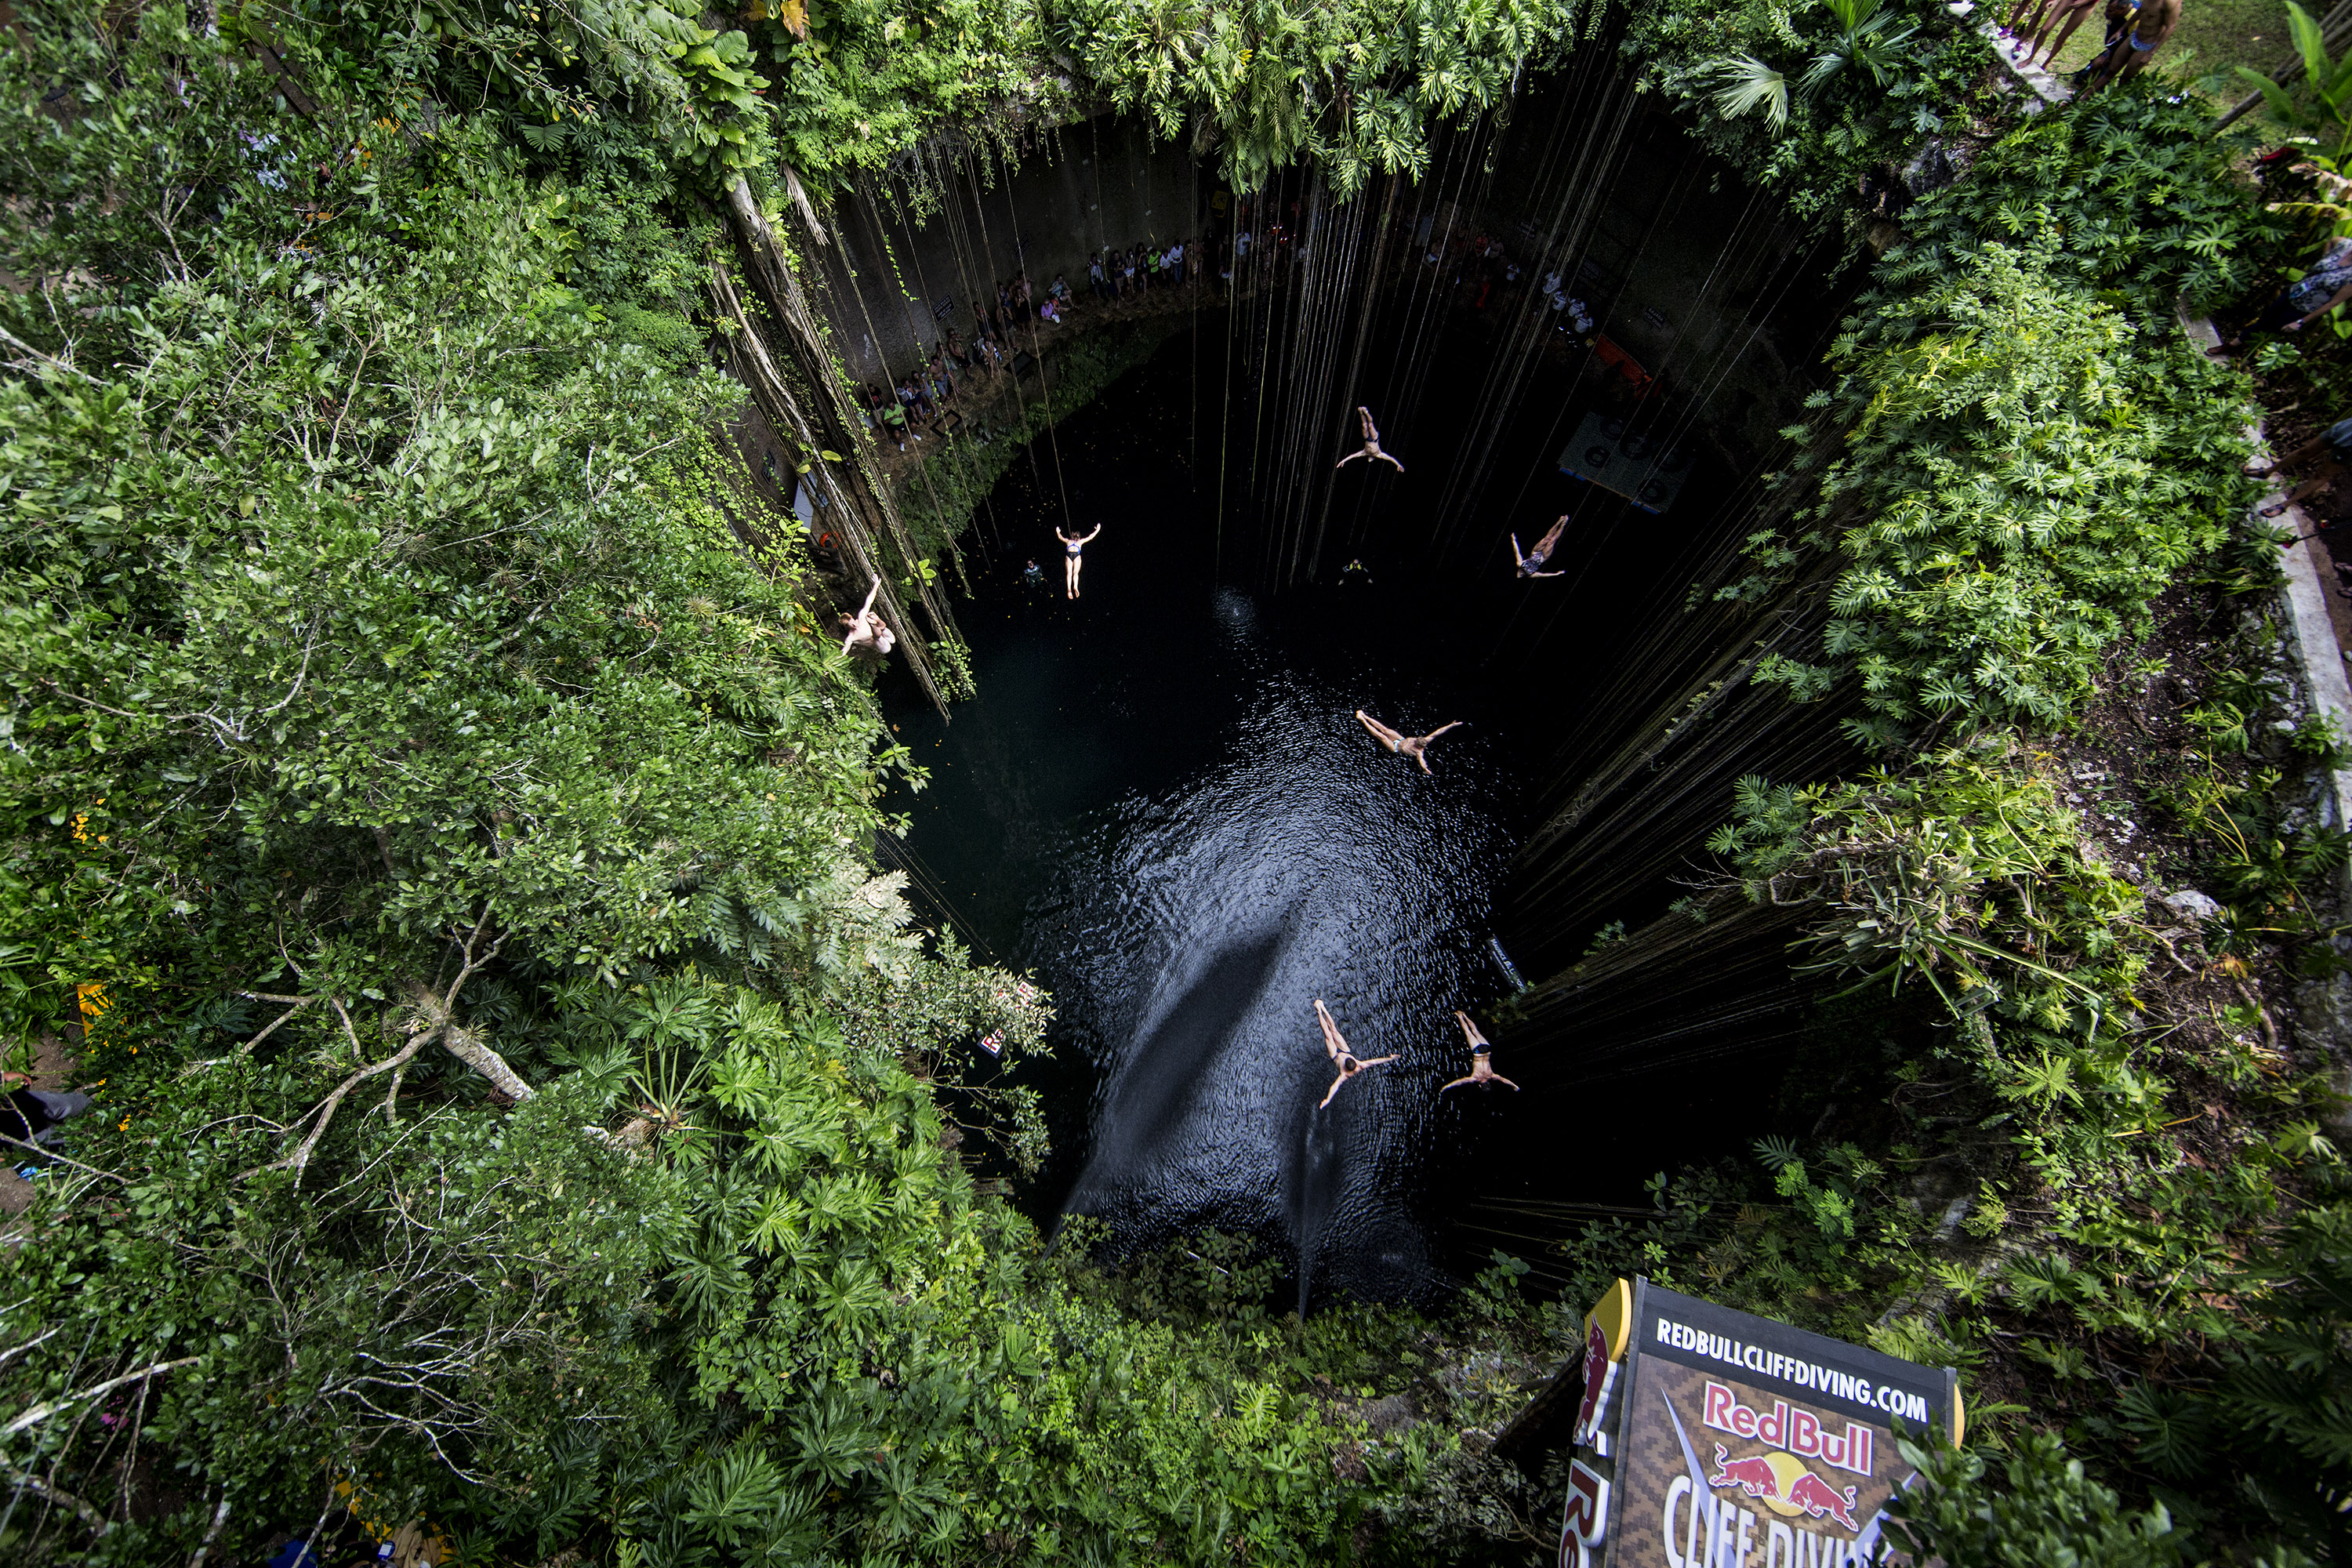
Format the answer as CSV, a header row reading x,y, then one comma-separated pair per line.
x,y
1351,83
835,88
523,1109
1806,100
2077,1158
2022,449
426,779
2042,1509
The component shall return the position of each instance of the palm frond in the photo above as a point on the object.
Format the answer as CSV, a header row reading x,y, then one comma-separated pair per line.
x,y
1749,84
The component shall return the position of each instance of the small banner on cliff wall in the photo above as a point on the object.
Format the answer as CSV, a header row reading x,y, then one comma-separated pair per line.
x,y
1709,1438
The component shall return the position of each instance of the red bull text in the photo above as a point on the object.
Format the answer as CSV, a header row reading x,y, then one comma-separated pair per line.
x,y
1797,1429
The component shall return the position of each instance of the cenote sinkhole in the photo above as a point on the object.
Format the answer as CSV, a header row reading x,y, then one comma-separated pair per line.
x,y
1161,806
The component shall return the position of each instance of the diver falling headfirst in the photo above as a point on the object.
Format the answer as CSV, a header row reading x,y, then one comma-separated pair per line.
x,y
1531,563
1371,443
1482,1070
1413,746
1336,1047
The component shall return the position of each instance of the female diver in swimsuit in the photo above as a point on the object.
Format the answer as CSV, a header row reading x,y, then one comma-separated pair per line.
x,y
1535,558
1413,746
1336,1048
1482,1070
1071,549
1371,444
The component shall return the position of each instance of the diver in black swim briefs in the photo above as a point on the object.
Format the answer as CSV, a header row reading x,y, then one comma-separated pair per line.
x,y
1482,1069
1336,1047
1404,745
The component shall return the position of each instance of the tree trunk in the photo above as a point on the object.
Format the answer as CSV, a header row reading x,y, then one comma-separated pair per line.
x,y
834,424
748,358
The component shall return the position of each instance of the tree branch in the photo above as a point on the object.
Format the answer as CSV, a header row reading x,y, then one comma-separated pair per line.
x,y
434,1025
40,1413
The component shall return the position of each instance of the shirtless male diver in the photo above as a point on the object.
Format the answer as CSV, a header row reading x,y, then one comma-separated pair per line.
x,y
1336,1048
868,633
1531,560
2131,53
1371,443
1482,1070
1413,746
1072,558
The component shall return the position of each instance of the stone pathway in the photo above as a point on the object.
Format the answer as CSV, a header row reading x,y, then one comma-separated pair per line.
x,y
2045,86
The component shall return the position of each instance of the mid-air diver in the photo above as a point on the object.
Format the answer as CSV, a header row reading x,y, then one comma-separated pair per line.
x,y
1413,746
867,634
1482,1069
1073,557
1335,1046
1532,562
1371,443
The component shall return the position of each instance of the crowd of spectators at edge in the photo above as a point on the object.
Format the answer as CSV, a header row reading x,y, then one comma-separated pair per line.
x,y
918,401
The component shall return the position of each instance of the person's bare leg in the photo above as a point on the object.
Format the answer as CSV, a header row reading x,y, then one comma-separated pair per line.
x,y
1387,737
2030,34
1550,540
1470,1030
1069,576
2074,16
1077,575
1334,1045
2295,459
2323,479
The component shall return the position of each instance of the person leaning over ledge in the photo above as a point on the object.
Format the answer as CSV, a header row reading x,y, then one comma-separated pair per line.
x,y
2326,285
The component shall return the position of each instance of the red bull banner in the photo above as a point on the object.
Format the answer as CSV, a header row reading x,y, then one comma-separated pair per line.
x,y
1710,1438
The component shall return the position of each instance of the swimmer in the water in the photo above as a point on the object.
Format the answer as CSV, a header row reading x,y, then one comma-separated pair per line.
x,y
1071,561
1371,443
1413,746
1032,576
1482,1070
1534,559
867,634
1336,1047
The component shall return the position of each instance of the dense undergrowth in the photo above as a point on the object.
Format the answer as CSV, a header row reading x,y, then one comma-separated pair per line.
x,y
428,782
2064,1141
524,1109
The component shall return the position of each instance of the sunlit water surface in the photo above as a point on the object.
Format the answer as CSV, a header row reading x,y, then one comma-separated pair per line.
x,y
1161,804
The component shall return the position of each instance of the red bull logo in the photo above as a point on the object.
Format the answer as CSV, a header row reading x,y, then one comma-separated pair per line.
x,y
1792,1427
1817,1499
1753,1477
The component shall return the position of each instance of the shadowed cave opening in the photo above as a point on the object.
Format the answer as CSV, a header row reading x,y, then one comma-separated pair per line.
x,y
1161,802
